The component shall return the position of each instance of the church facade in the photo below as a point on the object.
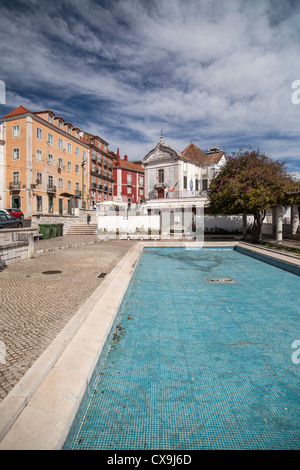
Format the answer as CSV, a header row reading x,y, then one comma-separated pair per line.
x,y
170,174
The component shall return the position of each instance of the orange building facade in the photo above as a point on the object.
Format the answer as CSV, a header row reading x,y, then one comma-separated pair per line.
x,y
42,168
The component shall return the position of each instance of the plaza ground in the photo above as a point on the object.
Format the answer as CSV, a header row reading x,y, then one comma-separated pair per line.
x,y
37,305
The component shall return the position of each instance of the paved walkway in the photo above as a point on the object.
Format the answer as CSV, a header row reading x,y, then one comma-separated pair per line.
x,y
35,306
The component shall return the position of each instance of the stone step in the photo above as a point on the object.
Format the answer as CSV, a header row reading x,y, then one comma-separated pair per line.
x,y
82,229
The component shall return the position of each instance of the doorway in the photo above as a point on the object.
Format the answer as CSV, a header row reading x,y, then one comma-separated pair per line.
x,y
16,202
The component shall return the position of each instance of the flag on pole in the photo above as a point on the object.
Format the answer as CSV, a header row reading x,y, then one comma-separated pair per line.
x,y
171,190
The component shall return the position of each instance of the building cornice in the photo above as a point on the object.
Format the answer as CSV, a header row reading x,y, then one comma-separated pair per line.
x,y
46,123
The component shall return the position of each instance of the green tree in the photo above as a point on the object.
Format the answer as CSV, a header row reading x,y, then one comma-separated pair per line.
x,y
251,182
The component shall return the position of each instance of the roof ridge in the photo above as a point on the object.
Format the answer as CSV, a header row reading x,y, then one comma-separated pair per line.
x,y
17,111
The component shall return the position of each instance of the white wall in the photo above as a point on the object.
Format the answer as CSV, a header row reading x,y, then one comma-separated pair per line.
x,y
141,223
128,224
226,222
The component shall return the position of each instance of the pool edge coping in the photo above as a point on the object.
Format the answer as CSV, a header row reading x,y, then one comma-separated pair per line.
x,y
42,400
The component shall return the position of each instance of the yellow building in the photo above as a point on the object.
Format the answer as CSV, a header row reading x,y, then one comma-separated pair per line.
x,y
42,163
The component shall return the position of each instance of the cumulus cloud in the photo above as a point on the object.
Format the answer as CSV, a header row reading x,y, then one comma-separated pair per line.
x,y
215,72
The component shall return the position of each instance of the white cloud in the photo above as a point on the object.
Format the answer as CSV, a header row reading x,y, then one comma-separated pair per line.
x,y
208,71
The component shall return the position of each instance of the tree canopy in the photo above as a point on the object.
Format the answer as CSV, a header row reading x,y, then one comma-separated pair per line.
x,y
251,182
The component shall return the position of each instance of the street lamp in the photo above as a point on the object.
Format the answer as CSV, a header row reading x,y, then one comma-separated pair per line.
x,y
84,162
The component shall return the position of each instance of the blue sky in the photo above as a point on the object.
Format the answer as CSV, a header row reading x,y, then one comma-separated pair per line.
x,y
212,72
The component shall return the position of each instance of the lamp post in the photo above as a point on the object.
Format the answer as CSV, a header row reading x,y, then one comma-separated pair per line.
x,y
83,163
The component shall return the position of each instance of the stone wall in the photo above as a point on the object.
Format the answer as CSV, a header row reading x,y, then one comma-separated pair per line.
x,y
16,244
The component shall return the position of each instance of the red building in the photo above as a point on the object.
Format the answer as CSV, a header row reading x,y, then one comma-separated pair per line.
x,y
128,179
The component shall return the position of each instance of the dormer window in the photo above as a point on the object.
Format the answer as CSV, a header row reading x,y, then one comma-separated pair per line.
x,y
69,129
50,118
60,124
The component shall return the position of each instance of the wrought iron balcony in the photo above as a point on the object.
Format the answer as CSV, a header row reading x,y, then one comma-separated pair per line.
x,y
15,186
51,188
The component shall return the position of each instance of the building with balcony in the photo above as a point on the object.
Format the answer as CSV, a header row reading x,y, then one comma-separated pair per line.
x,y
41,163
100,182
128,180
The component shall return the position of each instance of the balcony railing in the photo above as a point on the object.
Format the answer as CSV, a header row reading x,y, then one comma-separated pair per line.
x,y
15,186
184,193
51,188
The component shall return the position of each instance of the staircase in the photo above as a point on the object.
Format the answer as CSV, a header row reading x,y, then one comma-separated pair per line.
x,y
82,229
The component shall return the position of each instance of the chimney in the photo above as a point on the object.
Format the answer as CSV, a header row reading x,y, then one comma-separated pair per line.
x,y
118,158
125,158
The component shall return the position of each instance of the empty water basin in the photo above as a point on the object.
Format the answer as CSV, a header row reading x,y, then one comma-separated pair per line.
x,y
192,364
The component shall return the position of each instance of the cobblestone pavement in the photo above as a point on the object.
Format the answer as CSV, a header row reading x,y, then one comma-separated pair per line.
x,y
35,307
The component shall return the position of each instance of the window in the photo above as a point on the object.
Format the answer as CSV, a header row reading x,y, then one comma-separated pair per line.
x,y
16,154
77,186
39,155
161,176
69,166
77,169
129,190
69,185
196,184
69,129
60,143
185,182
16,178
69,148
50,118
50,203
77,151
50,181
16,131
50,139
50,159
60,183
129,178
77,134
39,203
60,124
83,155
38,178
204,185
60,162
39,133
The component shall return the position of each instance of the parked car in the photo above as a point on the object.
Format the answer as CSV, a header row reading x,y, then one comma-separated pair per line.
x,y
16,213
9,221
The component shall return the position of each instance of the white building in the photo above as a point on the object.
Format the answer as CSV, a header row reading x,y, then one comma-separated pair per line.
x,y
170,174
176,185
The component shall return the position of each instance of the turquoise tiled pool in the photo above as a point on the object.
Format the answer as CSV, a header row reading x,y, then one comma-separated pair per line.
x,y
200,357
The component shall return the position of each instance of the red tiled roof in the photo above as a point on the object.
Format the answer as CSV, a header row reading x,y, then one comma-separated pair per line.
x,y
213,157
17,112
128,165
195,154
46,111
